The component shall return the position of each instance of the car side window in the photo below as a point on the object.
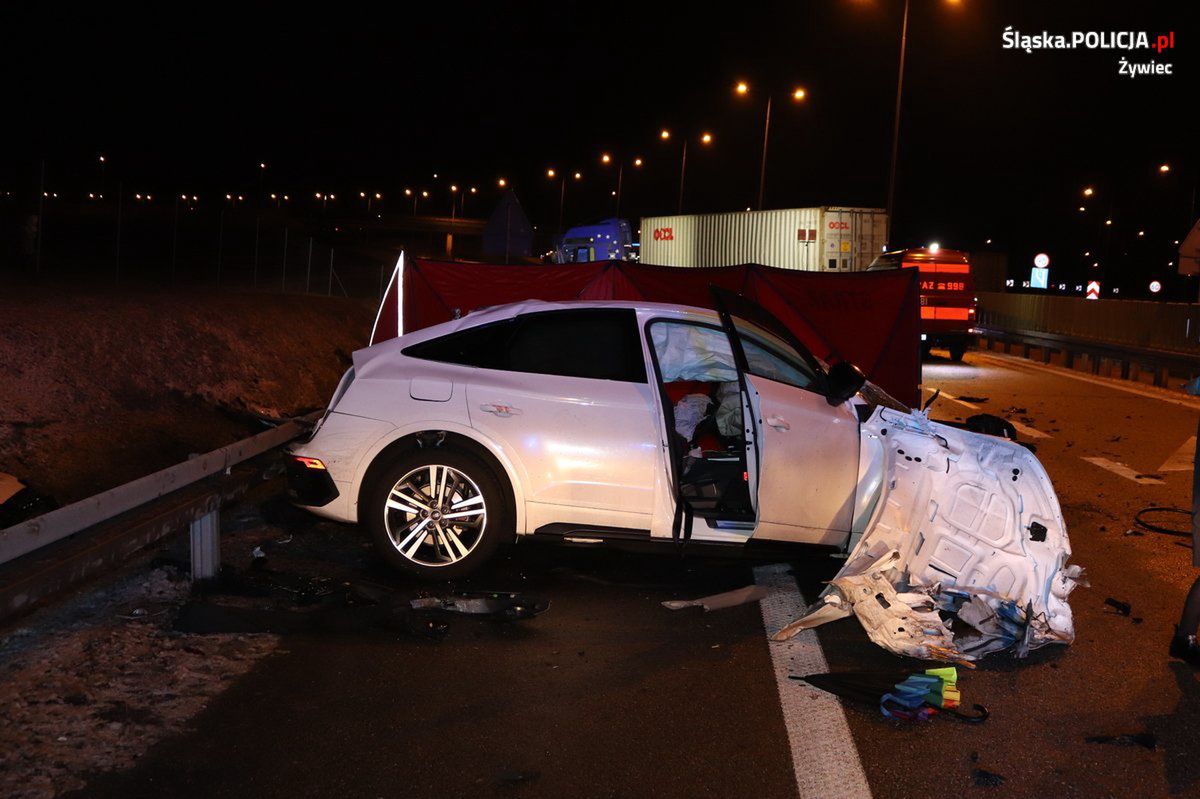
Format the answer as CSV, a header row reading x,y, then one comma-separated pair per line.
x,y
771,362
595,343
481,346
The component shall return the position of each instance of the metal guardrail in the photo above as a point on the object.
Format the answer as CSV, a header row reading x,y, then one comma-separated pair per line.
x,y
1140,324
1130,361
42,556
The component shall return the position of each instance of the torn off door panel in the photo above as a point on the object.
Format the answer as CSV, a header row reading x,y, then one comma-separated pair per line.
x,y
968,528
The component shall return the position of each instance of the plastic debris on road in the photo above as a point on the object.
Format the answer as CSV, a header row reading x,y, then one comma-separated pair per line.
x,y
728,599
902,695
497,604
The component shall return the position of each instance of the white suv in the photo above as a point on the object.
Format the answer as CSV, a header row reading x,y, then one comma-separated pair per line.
x,y
595,422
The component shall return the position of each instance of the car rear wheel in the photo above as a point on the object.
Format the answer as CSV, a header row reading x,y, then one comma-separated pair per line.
x,y
957,351
437,513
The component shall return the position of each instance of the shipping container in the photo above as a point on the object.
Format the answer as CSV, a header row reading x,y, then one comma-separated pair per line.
x,y
813,239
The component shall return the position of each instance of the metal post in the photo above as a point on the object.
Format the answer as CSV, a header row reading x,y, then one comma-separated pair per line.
x,y
620,175
37,250
220,241
762,167
257,221
562,201
283,278
120,190
205,535
891,198
308,271
174,236
507,229
682,170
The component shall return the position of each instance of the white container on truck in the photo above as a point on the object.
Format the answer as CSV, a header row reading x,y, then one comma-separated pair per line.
x,y
820,239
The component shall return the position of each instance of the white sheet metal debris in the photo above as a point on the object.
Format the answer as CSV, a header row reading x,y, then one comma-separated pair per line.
x,y
966,527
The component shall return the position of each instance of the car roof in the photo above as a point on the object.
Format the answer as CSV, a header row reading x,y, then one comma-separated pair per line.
x,y
498,313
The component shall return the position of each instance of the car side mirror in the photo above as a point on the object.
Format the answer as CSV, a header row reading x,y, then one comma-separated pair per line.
x,y
845,380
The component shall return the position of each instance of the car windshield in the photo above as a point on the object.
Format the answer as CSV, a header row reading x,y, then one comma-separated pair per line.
x,y
876,396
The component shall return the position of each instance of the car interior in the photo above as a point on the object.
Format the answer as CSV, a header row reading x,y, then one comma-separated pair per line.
x,y
703,402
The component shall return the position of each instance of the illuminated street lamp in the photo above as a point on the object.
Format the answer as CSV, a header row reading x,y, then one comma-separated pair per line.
x,y
798,95
502,183
1089,191
1164,168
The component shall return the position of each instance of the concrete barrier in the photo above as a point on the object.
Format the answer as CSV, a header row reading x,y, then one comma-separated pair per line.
x,y
1166,326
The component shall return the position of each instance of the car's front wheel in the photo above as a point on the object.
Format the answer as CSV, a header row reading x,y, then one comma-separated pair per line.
x,y
437,513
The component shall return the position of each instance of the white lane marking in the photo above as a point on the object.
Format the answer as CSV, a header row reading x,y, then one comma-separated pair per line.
x,y
824,756
1124,471
1181,460
1021,428
1109,382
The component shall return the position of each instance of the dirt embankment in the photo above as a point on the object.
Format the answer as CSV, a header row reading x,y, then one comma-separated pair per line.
x,y
99,388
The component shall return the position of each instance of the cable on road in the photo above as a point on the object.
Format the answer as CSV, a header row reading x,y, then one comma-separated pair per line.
x,y
1158,528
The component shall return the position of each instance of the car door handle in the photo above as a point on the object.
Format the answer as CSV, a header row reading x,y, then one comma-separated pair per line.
x,y
499,409
779,423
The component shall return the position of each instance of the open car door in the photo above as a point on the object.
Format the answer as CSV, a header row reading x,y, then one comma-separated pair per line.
x,y
806,450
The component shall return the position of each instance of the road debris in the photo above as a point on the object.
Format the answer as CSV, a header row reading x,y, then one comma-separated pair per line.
x,y
1122,608
1146,740
903,694
496,604
727,599
982,778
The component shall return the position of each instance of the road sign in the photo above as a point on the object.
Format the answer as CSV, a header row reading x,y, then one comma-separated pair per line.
x,y
1039,278
1155,287
1041,260
1093,290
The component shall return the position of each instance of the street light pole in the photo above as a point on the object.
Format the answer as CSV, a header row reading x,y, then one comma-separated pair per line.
x,y
762,169
682,171
891,196
620,176
562,201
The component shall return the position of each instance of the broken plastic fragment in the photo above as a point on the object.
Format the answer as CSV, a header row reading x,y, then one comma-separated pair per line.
x,y
728,599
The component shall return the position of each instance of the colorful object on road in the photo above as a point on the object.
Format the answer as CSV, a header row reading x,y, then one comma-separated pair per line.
x,y
902,695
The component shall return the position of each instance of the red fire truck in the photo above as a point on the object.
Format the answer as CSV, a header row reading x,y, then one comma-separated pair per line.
x,y
947,295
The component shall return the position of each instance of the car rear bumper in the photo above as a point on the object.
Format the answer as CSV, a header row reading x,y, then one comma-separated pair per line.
x,y
312,487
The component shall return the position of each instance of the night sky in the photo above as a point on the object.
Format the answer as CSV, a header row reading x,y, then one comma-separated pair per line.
x,y
994,143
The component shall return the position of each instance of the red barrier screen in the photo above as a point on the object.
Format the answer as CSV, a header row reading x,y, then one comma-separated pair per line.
x,y
869,318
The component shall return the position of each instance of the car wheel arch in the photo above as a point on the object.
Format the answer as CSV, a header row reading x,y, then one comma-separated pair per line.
x,y
409,442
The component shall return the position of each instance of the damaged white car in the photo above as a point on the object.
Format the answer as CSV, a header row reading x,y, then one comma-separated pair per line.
x,y
631,422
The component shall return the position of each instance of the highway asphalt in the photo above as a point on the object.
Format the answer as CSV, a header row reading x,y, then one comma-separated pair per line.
x,y
609,694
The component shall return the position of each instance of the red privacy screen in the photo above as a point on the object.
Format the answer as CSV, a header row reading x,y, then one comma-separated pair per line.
x,y
871,319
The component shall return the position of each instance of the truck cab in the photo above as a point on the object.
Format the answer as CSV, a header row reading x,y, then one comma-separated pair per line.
x,y
606,240
947,295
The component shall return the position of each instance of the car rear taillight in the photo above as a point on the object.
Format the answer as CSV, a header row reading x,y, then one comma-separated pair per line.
x,y
309,463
